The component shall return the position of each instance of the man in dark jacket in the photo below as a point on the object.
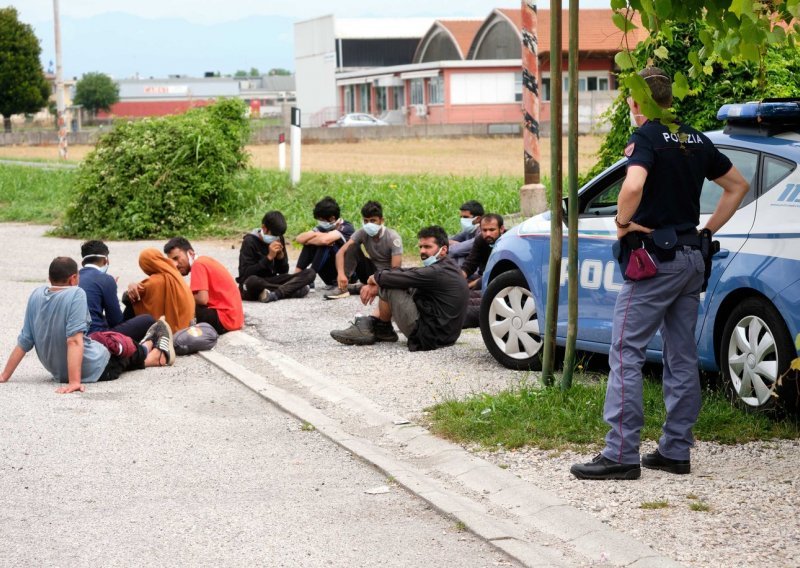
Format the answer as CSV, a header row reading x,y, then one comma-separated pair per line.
x,y
427,303
264,265
491,228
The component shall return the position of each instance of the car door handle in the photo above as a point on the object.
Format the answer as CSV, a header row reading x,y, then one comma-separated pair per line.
x,y
723,253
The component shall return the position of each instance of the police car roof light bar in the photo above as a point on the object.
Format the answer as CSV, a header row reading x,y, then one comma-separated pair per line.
x,y
767,118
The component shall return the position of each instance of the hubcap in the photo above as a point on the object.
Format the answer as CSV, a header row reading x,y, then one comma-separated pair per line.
x,y
753,361
514,323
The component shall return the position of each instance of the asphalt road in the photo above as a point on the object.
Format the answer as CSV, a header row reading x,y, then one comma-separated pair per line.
x,y
184,466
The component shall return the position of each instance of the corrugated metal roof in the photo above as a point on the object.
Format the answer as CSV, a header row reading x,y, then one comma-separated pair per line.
x,y
381,28
597,31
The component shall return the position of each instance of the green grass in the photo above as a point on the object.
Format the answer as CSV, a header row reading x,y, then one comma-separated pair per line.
x,y
654,505
550,418
34,195
699,507
409,201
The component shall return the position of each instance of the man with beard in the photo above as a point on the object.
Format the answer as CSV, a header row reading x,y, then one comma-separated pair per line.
x,y
428,303
491,227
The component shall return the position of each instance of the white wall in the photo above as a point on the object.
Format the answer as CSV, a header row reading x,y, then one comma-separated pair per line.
x,y
481,88
315,68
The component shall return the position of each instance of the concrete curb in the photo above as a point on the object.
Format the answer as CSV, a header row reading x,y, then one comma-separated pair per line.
x,y
534,519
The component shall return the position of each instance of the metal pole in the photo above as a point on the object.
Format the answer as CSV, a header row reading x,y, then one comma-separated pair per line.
x,y
294,140
556,230
572,199
60,105
532,195
282,152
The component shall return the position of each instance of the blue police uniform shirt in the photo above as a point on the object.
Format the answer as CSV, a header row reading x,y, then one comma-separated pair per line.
x,y
677,163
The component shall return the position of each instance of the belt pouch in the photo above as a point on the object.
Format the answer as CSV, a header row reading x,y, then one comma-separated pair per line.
x,y
665,242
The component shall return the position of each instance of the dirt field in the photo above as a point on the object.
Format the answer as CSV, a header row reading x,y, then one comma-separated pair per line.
x,y
464,156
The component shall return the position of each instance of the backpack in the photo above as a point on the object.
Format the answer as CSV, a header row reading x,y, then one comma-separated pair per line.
x,y
197,337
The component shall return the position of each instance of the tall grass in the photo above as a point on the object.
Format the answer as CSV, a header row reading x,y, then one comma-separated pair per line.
x,y
409,201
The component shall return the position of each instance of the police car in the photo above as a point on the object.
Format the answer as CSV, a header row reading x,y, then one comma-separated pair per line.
x,y
750,313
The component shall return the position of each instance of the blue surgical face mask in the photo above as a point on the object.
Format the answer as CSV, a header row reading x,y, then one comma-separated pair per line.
x,y
103,269
371,229
268,238
433,259
467,225
326,225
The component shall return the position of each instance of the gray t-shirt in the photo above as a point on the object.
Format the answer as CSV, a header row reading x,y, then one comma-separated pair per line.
x,y
380,248
50,318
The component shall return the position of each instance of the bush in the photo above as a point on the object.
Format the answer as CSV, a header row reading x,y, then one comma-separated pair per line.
x,y
158,177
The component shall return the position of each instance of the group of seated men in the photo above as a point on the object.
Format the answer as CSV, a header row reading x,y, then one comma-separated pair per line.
x,y
82,334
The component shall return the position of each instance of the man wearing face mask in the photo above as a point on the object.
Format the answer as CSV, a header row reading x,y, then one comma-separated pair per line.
x,y
373,247
321,243
216,295
428,304
264,266
461,243
101,295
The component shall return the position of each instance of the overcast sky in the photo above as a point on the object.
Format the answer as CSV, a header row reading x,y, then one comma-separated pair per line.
x,y
214,11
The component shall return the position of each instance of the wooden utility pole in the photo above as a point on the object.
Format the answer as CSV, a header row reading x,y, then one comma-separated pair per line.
x,y
60,103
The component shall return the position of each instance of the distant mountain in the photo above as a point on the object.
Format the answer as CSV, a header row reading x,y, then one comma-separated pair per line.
x,y
123,45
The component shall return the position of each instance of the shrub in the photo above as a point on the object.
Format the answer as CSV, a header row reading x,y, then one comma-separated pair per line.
x,y
160,176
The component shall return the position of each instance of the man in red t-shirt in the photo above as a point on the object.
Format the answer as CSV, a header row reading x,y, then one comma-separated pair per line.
x,y
216,293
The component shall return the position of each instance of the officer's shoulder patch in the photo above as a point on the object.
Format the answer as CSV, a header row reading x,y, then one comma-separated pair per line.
x,y
629,149
397,243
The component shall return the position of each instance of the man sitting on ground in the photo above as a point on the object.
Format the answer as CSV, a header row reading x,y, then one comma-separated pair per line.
x,y
427,303
461,243
264,265
56,324
491,227
216,295
321,243
101,295
372,248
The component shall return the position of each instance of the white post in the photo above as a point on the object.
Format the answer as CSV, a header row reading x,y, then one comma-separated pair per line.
x,y
282,152
60,103
294,139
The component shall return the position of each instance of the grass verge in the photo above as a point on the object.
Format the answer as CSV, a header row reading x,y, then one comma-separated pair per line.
x,y
409,201
550,418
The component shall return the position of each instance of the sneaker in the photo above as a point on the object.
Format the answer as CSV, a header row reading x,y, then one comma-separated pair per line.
x,y
337,294
159,328
355,289
268,297
160,334
656,461
302,292
359,333
384,331
603,468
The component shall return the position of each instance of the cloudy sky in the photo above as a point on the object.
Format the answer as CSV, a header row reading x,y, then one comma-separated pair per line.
x,y
214,11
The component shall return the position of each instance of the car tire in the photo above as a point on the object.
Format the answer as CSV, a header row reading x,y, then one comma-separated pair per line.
x,y
510,323
756,350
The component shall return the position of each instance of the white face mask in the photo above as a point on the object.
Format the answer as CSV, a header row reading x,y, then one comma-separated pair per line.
x,y
468,225
269,239
190,256
371,229
326,225
433,259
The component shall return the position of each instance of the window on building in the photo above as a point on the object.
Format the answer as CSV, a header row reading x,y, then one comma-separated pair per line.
x,y
380,99
364,102
417,92
349,99
436,90
518,87
544,89
399,94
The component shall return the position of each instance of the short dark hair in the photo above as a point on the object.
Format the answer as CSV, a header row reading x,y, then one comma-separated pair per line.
x,y
275,223
326,208
492,217
660,85
372,209
178,242
436,232
93,250
473,207
61,269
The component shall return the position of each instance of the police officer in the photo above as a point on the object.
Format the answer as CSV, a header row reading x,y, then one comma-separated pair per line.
x,y
659,207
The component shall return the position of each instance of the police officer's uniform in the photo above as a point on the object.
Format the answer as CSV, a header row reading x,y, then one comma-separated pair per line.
x,y
676,164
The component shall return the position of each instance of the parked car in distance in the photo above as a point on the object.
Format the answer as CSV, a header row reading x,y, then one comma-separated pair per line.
x,y
359,119
748,317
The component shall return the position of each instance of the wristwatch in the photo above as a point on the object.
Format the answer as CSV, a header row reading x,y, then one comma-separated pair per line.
x,y
621,225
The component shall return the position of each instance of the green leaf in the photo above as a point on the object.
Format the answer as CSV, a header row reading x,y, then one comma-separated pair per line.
x,y
797,342
621,4
680,86
624,60
663,9
742,9
666,31
750,52
661,52
622,22
795,366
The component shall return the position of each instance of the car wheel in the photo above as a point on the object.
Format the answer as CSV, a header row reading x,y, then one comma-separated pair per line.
x,y
510,322
756,350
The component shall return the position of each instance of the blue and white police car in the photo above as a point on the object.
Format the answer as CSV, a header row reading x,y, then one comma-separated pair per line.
x,y
750,313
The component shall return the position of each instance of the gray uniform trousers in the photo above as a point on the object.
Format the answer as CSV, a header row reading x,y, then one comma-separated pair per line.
x,y
669,300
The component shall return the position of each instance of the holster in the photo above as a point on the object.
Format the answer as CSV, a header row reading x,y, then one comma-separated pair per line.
x,y
708,248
